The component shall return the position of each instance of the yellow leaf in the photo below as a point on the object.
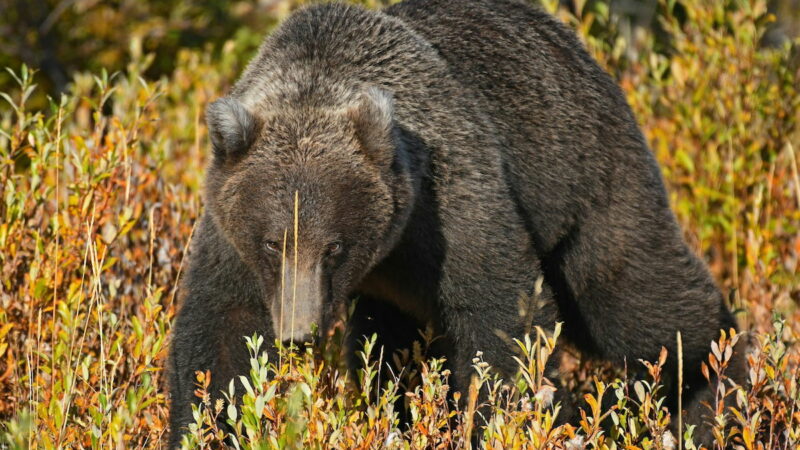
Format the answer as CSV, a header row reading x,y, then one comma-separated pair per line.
x,y
5,329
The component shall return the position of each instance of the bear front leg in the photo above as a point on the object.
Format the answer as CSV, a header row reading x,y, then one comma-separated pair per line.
x,y
396,332
214,343
222,304
487,335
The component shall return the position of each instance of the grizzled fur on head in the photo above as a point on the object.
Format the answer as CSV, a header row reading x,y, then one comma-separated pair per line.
x,y
343,160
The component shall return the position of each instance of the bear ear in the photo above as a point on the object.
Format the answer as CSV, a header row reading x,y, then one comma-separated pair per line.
x,y
373,117
231,127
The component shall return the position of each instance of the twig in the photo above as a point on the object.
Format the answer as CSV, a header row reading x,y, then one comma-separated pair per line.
x,y
795,176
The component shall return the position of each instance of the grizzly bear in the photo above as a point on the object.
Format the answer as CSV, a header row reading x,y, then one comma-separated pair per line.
x,y
442,161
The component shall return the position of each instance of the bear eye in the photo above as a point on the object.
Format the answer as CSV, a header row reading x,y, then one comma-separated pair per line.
x,y
272,246
334,248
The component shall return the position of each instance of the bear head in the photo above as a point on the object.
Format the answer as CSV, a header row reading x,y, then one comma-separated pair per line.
x,y
310,196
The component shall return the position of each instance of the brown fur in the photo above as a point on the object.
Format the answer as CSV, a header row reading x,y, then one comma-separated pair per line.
x,y
459,151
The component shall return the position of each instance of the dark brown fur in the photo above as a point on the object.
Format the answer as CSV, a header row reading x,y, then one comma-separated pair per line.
x,y
458,151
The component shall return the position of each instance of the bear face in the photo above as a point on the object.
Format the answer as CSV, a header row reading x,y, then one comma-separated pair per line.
x,y
331,174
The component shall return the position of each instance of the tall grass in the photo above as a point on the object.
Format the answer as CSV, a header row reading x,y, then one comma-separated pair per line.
x,y
101,190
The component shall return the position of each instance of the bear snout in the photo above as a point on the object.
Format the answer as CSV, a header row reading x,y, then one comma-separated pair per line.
x,y
297,307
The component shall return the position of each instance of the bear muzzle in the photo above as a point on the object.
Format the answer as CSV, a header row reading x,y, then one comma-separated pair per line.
x,y
297,304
